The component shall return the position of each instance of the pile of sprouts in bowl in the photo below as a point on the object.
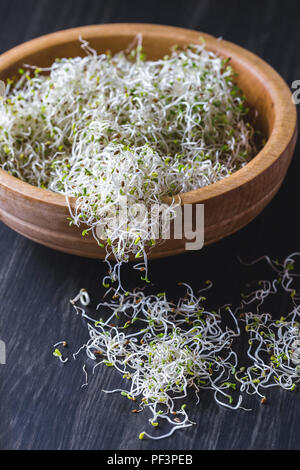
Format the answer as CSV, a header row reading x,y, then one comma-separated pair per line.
x,y
100,128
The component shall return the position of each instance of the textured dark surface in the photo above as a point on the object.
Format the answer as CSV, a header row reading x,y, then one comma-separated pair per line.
x,y
42,404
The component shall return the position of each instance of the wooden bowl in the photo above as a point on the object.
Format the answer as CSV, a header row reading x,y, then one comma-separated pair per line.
x,y
230,204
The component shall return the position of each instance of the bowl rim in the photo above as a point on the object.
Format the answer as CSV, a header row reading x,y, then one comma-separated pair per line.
x,y
283,131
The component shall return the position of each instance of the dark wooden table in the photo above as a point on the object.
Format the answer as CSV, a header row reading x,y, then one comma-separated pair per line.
x,y
42,404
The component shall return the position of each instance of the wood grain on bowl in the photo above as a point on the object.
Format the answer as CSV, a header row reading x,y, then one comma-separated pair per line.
x,y
230,204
